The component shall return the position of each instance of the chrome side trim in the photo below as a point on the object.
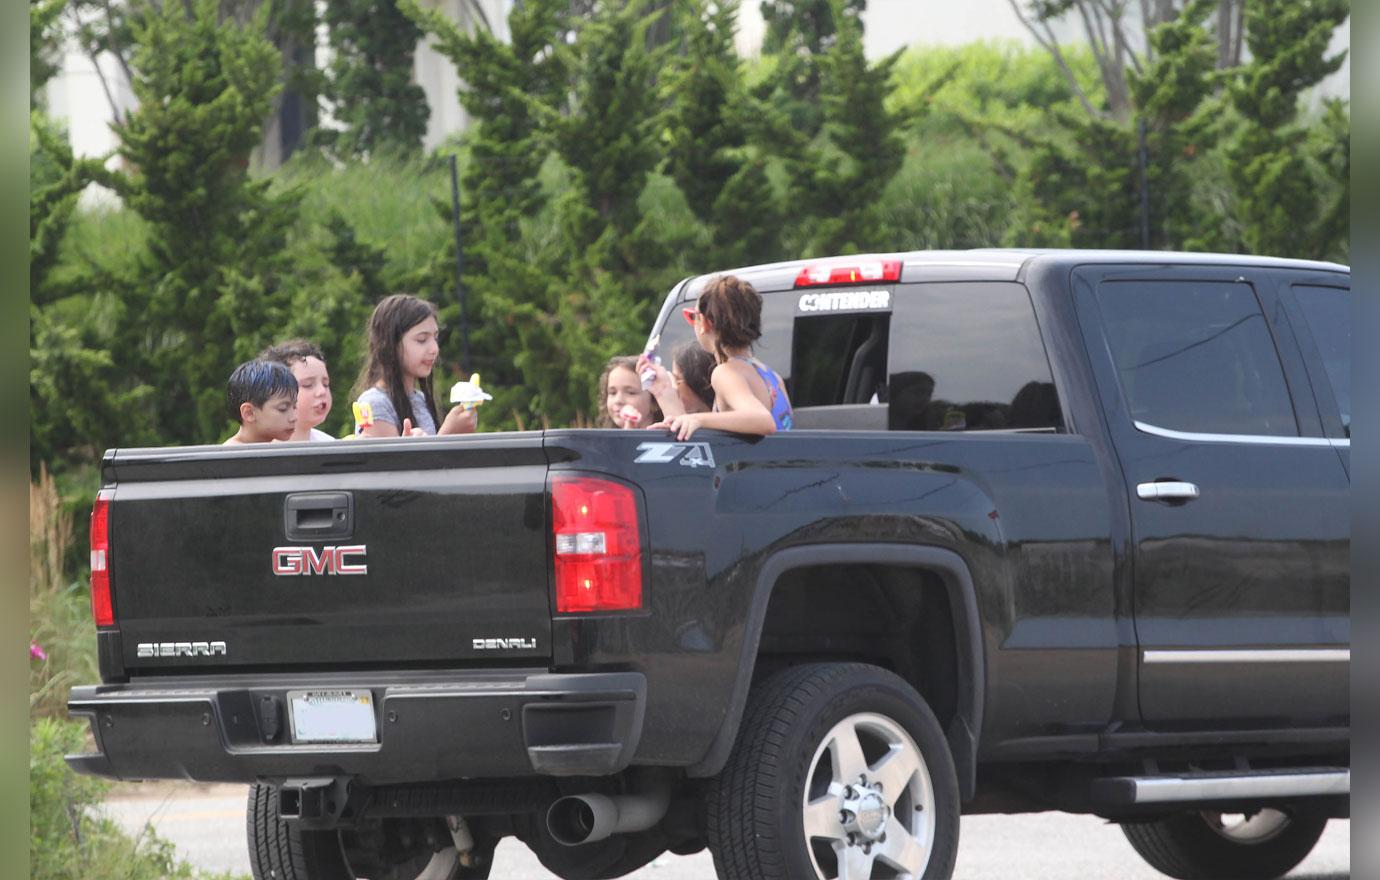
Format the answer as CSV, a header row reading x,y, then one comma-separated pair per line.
x,y
1252,655
1256,439
1160,790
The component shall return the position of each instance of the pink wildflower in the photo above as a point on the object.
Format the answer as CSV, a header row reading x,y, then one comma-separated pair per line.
x,y
36,651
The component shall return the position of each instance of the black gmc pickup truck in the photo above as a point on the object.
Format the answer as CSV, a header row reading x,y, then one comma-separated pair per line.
x,y
1056,531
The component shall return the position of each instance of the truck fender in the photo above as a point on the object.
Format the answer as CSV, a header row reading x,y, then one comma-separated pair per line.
x,y
963,732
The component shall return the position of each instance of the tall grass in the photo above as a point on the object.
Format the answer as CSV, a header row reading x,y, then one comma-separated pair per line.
x,y
70,838
61,634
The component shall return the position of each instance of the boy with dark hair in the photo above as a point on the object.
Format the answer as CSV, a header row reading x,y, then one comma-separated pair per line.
x,y
262,397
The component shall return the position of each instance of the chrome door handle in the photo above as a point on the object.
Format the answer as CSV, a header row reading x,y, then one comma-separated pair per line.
x,y
1167,490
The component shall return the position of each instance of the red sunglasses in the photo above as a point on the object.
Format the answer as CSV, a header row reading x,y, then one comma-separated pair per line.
x,y
690,315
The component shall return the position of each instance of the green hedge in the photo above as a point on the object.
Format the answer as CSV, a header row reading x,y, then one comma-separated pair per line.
x,y
70,839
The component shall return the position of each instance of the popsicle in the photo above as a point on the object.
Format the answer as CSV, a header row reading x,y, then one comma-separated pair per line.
x,y
468,394
364,416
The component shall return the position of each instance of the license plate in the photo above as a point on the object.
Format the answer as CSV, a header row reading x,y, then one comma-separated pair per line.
x,y
333,716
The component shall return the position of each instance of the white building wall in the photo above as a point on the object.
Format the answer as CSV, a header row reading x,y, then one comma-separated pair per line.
x,y
76,97
437,75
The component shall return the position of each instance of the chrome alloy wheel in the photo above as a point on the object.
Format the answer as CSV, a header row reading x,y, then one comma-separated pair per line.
x,y
868,802
1248,828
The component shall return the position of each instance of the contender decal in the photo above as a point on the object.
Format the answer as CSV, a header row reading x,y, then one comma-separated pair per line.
x,y
845,301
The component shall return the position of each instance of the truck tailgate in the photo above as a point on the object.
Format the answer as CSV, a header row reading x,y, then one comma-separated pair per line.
x,y
351,554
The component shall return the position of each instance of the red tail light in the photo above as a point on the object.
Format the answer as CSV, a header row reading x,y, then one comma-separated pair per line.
x,y
102,608
598,545
849,273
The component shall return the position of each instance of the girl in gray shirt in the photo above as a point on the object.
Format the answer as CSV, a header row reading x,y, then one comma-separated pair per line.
x,y
395,388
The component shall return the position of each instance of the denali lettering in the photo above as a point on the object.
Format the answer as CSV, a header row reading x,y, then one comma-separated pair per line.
x,y
327,560
491,644
146,650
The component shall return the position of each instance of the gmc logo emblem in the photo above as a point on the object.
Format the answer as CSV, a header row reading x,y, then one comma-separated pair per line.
x,y
327,560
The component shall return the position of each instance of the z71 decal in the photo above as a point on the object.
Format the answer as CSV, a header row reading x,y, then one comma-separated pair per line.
x,y
691,455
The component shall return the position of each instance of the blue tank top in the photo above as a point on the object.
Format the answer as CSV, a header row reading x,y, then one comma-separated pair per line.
x,y
780,404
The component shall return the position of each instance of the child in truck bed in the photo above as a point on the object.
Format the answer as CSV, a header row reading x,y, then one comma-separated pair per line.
x,y
625,403
686,387
749,397
395,387
262,397
308,366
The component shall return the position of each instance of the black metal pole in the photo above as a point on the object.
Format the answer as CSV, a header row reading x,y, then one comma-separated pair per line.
x,y
1144,189
459,277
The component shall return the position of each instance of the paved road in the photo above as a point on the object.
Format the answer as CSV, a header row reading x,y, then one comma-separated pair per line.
x,y
206,823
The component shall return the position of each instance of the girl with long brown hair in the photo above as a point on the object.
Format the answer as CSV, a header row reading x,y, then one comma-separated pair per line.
x,y
394,390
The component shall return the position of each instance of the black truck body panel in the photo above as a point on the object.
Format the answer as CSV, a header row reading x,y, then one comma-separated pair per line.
x,y
1082,621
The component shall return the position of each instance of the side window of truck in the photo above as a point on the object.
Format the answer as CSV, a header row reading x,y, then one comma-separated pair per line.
x,y
1328,313
967,356
1196,356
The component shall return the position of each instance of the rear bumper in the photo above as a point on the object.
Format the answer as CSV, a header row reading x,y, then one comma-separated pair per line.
x,y
431,726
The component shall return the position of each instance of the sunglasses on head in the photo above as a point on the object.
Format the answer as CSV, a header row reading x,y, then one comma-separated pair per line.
x,y
690,315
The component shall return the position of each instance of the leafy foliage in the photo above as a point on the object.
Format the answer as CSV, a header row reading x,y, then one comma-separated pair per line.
x,y
798,33
204,87
370,78
711,151
1279,185
845,171
1086,191
45,33
70,839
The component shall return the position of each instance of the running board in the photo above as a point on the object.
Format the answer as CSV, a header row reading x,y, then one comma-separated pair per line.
x,y
1222,786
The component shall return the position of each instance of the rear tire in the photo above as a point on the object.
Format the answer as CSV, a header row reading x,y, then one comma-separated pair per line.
x,y
281,850
1210,846
838,768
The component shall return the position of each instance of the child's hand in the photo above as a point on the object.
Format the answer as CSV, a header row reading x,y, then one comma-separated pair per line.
x,y
661,381
460,420
409,431
685,426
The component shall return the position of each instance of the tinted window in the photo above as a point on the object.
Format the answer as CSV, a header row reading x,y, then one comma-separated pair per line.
x,y
1196,356
968,356
839,359
674,333
1328,312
